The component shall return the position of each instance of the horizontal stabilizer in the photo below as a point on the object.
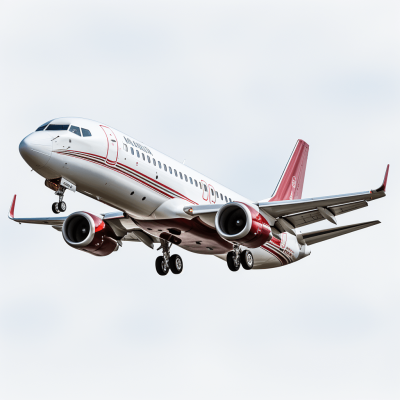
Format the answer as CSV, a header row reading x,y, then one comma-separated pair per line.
x,y
319,236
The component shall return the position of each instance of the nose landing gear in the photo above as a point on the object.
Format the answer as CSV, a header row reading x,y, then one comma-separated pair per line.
x,y
166,262
236,257
59,206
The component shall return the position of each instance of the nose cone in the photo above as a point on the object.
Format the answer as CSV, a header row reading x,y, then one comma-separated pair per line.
x,y
36,149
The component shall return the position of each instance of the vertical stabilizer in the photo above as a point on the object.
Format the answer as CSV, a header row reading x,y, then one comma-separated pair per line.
x,y
290,186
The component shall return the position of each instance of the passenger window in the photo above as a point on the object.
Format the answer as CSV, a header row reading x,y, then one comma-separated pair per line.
x,y
137,153
226,199
222,197
195,182
148,159
176,174
186,178
216,193
200,185
205,188
191,180
212,192
159,165
154,162
86,132
180,174
165,167
170,170
125,147
75,129
143,156
132,151
230,200
58,128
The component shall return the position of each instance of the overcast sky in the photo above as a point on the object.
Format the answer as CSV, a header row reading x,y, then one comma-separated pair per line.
x,y
229,86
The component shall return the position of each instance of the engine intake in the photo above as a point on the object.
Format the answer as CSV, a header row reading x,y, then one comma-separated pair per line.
x,y
86,232
242,224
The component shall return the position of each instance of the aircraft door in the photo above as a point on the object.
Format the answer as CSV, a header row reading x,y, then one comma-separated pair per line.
x,y
205,190
112,146
211,194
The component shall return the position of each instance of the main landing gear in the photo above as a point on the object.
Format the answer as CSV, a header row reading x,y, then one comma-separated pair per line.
x,y
59,206
166,262
236,257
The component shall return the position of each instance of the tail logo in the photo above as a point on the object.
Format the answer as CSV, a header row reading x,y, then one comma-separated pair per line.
x,y
294,181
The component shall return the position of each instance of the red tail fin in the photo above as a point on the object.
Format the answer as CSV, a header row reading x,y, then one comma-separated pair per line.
x,y
290,186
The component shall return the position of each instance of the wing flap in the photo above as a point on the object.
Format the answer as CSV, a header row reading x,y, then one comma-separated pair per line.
x,y
345,208
310,217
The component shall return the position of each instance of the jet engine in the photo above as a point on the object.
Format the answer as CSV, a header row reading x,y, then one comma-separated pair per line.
x,y
86,232
242,224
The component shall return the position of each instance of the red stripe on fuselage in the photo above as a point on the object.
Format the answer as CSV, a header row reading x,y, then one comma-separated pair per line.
x,y
281,259
122,173
135,171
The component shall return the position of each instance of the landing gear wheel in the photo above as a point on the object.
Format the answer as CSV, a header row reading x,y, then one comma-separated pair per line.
x,y
55,209
246,259
161,266
176,264
233,262
62,207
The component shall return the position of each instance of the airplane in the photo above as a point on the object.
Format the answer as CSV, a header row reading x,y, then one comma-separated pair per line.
x,y
163,202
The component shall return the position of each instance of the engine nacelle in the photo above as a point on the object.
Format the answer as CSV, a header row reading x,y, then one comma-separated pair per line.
x,y
242,224
86,232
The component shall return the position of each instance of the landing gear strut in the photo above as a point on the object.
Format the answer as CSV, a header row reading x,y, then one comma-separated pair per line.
x,y
59,206
236,257
167,262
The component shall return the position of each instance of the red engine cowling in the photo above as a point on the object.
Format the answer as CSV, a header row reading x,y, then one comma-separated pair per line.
x,y
242,224
86,232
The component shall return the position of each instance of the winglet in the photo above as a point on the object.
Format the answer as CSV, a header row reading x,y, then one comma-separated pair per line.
x,y
12,208
382,188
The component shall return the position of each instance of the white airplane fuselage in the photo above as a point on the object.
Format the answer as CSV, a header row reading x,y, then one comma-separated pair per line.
x,y
150,187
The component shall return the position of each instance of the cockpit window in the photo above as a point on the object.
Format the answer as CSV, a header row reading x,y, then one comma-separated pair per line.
x,y
86,132
54,127
75,129
41,127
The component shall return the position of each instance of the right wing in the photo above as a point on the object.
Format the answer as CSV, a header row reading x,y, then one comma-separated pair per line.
x,y
291,214
287,215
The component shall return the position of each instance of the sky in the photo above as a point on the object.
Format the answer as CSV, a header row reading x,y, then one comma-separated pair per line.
x,y
228,86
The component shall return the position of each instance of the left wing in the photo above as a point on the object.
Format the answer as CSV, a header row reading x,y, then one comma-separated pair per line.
x,y
120,223
53,221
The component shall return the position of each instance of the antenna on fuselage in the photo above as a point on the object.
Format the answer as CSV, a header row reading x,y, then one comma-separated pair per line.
x,y
184,161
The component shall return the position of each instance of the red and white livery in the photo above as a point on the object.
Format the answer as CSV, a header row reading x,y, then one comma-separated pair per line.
x,y
164,202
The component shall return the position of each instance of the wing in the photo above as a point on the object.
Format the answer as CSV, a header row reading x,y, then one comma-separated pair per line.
x,y
123,226
287,215
291,214
53,221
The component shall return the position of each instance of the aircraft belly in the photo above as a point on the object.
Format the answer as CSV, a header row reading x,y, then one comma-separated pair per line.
x,y
190,234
